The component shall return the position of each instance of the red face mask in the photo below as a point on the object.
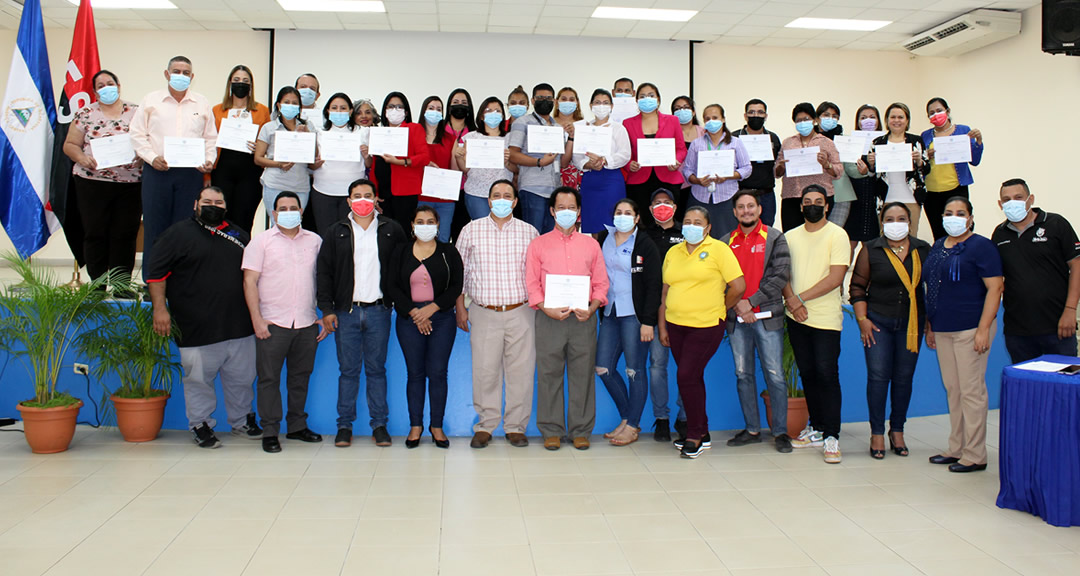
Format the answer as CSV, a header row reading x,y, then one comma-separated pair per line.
x,y
939,119
363,207
663,212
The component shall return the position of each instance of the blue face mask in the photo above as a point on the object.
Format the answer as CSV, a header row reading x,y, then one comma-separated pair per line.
x,y
954,225
339,119
684,115
432,117
805,127
1015,210
307,96
693,234
567,108
566,219
502,207
828,123
179,82
493,119
624,222
623,95
714,126
289,111
108,94
648,104
518,110
289,220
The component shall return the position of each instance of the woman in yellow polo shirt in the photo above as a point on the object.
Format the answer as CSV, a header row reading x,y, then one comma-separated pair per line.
x,y
693,309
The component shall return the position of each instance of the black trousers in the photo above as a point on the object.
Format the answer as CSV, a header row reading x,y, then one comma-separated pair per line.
x,y
238,177
297,346
110,212
817,354
934,207
327,209
402,209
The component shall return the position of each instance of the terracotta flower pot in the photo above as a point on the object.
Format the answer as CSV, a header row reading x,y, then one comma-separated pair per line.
x,y
139,419
797,414
49,430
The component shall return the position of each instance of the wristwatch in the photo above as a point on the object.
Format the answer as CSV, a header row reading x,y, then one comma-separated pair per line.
x,y
538,163
407,162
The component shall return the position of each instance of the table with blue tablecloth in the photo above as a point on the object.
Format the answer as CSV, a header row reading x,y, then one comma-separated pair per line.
x,y
1040,443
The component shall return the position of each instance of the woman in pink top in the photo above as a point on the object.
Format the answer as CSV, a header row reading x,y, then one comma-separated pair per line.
x,y
642,181
805,118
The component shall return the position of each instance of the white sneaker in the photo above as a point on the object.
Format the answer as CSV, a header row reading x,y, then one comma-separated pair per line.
x,y
832,450
807,438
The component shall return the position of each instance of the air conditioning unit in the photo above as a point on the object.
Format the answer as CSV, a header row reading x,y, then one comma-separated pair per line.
x,y
971,31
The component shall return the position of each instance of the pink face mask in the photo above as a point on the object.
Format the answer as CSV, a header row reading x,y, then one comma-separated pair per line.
x,y
363,207
868,124
940,119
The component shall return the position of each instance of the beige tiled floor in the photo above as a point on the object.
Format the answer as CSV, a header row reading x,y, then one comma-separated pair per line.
x,y
167,507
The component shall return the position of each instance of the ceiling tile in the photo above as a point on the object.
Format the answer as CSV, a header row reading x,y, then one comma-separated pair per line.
x,y
462,8
750,31
890,14
846,35
852,3
411,8
655,30
1017,5
717,18
510,29
186,5
628,3
784,9
366,26
589,3
738,40
517,10
833,12
225,25
379,21
134,25
177,24
513,21
68,11
781,42
412,21
471,28
567,11
561,23
803,33
268,22
682,4
910,5
764,20
733,6
213,16
556,31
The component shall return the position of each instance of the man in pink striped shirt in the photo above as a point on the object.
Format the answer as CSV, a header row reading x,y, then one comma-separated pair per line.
x,y
493,251
565,332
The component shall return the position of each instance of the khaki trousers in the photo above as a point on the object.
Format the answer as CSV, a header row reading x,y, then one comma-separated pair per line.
x,y
916,215
963,371
503,348
565,347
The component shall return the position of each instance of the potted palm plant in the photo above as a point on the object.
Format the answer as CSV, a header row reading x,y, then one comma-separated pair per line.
x,y
142,361
797,415
39,322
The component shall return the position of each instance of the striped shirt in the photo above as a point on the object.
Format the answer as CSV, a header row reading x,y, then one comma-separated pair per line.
x,y
494,260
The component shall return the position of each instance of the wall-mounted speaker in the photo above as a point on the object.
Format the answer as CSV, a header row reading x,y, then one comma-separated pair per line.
x,y
1061,27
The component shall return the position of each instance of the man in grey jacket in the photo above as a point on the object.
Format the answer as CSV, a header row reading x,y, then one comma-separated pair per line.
x,y
757,321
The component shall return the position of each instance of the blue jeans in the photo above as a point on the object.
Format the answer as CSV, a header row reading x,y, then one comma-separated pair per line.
x,y
1024,348
167,198
658,381
362,337
427,359
445,210
622,336
769,347
889,360
535,210
477,206
767,200
271,194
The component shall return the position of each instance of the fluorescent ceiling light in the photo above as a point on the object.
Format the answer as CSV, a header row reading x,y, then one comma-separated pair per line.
x,y
838,24
136,4
332,5
616,13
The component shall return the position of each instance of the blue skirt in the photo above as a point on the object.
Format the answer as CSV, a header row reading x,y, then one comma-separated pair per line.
x,y
600,191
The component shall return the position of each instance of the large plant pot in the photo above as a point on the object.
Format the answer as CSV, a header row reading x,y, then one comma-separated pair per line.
x,y
49,430
139,419
797,414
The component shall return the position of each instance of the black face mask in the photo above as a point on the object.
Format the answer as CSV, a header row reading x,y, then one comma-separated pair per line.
x,y
240,89
212,215
813,213
544,107
755,122
459,111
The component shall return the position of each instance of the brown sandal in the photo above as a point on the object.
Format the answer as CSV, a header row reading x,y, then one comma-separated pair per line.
x,y
629,435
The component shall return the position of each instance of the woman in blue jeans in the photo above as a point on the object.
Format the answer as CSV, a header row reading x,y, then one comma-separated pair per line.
x,y
628,321
425,282
887,294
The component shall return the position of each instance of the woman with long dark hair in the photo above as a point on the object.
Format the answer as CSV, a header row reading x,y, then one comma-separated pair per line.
x,y
236,172
399,178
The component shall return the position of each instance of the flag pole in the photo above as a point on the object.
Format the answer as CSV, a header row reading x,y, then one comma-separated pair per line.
x,y
76,278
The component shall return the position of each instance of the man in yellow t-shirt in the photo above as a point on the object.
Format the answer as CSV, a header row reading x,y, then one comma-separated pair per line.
x,y
820,254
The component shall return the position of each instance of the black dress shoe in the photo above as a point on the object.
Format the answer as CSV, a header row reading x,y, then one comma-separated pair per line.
x,y
410,444
958,467
304,435
444,443
343,438
271,445
381,436
939,459
662,430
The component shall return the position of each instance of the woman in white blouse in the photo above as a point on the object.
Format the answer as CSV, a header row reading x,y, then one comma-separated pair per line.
x,y
602,184
491,125
331,181
278,176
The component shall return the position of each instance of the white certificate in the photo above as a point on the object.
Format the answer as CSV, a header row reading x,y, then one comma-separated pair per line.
x,y
566,291
546,139
716,163
870,136
185,152
849,147
802,161
485,153
595,139
441,184
309,114
893,158
952,149
340,146
235,134
759,315
758,146
295,147
386,140
656,151
623,108
112,151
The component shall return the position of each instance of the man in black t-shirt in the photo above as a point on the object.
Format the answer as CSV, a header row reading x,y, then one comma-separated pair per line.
x,y
761,180
196,269
1042,276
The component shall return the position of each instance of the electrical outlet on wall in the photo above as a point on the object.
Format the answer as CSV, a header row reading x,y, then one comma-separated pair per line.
x,y
82,369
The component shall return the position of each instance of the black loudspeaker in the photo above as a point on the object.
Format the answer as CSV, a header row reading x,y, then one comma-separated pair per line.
x,y
1061,27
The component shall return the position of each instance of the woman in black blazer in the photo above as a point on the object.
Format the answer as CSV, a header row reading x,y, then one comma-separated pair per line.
x,y
425,282
908,188
628,322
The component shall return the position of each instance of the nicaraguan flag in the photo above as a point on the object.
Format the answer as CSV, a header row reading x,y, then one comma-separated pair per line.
x,y
26,138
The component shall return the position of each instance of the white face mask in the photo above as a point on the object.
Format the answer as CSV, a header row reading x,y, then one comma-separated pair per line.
x,y
955,225
601,111
395,115
425,232
895,231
